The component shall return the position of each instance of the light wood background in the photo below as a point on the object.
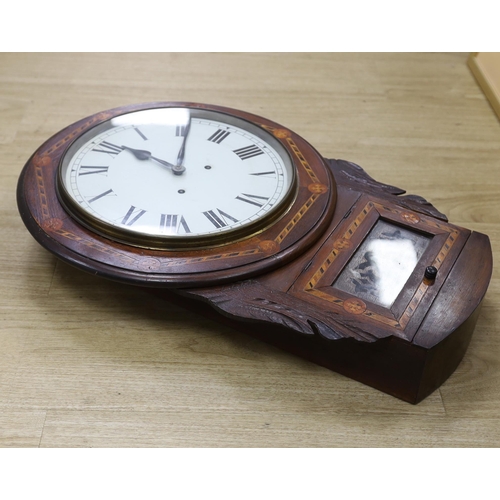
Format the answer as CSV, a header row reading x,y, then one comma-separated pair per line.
x,y
87,362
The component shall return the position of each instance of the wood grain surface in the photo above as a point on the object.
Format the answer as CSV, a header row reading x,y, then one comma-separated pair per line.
x,y
87,362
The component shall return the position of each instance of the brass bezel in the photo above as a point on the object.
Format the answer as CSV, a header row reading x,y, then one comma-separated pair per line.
x,y
153,242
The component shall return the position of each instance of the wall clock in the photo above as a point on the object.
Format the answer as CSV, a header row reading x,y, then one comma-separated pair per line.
x,y
239,218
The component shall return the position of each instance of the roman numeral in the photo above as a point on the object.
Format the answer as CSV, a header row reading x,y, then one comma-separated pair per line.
x,y
109,148
248,152
180,130
132,216
88,170
253,199
218,136
171,224
271,173
219,220
109,191
140,133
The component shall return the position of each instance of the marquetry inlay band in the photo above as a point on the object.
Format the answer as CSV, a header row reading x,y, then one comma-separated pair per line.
x,y
343,243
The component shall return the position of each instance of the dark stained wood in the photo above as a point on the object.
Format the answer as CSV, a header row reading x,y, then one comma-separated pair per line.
x,y
463,291
278,285
408,362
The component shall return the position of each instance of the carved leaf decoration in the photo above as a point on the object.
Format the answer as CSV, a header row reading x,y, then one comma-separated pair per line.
x,y
274,312
419,204
355,177
252,301
358,179
240,305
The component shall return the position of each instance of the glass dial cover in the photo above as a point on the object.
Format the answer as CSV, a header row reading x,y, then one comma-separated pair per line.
x,y
179,176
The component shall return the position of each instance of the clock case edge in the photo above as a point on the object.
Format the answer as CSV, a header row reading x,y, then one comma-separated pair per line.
x,y
44,230
408,368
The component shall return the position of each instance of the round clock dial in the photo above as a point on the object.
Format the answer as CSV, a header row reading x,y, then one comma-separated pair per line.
x,y
174,194
174,177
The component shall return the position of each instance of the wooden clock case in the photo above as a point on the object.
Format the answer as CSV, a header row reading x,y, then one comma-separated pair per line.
x,y
281,284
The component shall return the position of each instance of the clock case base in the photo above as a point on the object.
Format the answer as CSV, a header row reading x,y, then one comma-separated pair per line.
x,y
401,369
408,363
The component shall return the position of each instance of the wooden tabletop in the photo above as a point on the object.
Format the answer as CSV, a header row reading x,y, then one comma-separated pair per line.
x,y
89,363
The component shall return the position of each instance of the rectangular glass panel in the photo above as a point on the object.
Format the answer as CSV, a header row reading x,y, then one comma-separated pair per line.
x,y
381,266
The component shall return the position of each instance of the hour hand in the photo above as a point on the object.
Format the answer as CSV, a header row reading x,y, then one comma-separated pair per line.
x,y
142,154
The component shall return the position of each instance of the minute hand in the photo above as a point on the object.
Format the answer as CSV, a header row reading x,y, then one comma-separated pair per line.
x,y
182,151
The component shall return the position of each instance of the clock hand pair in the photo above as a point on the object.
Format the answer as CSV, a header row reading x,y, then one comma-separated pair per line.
x,y
142,154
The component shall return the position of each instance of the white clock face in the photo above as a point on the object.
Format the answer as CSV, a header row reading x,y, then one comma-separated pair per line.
x,y
176,175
